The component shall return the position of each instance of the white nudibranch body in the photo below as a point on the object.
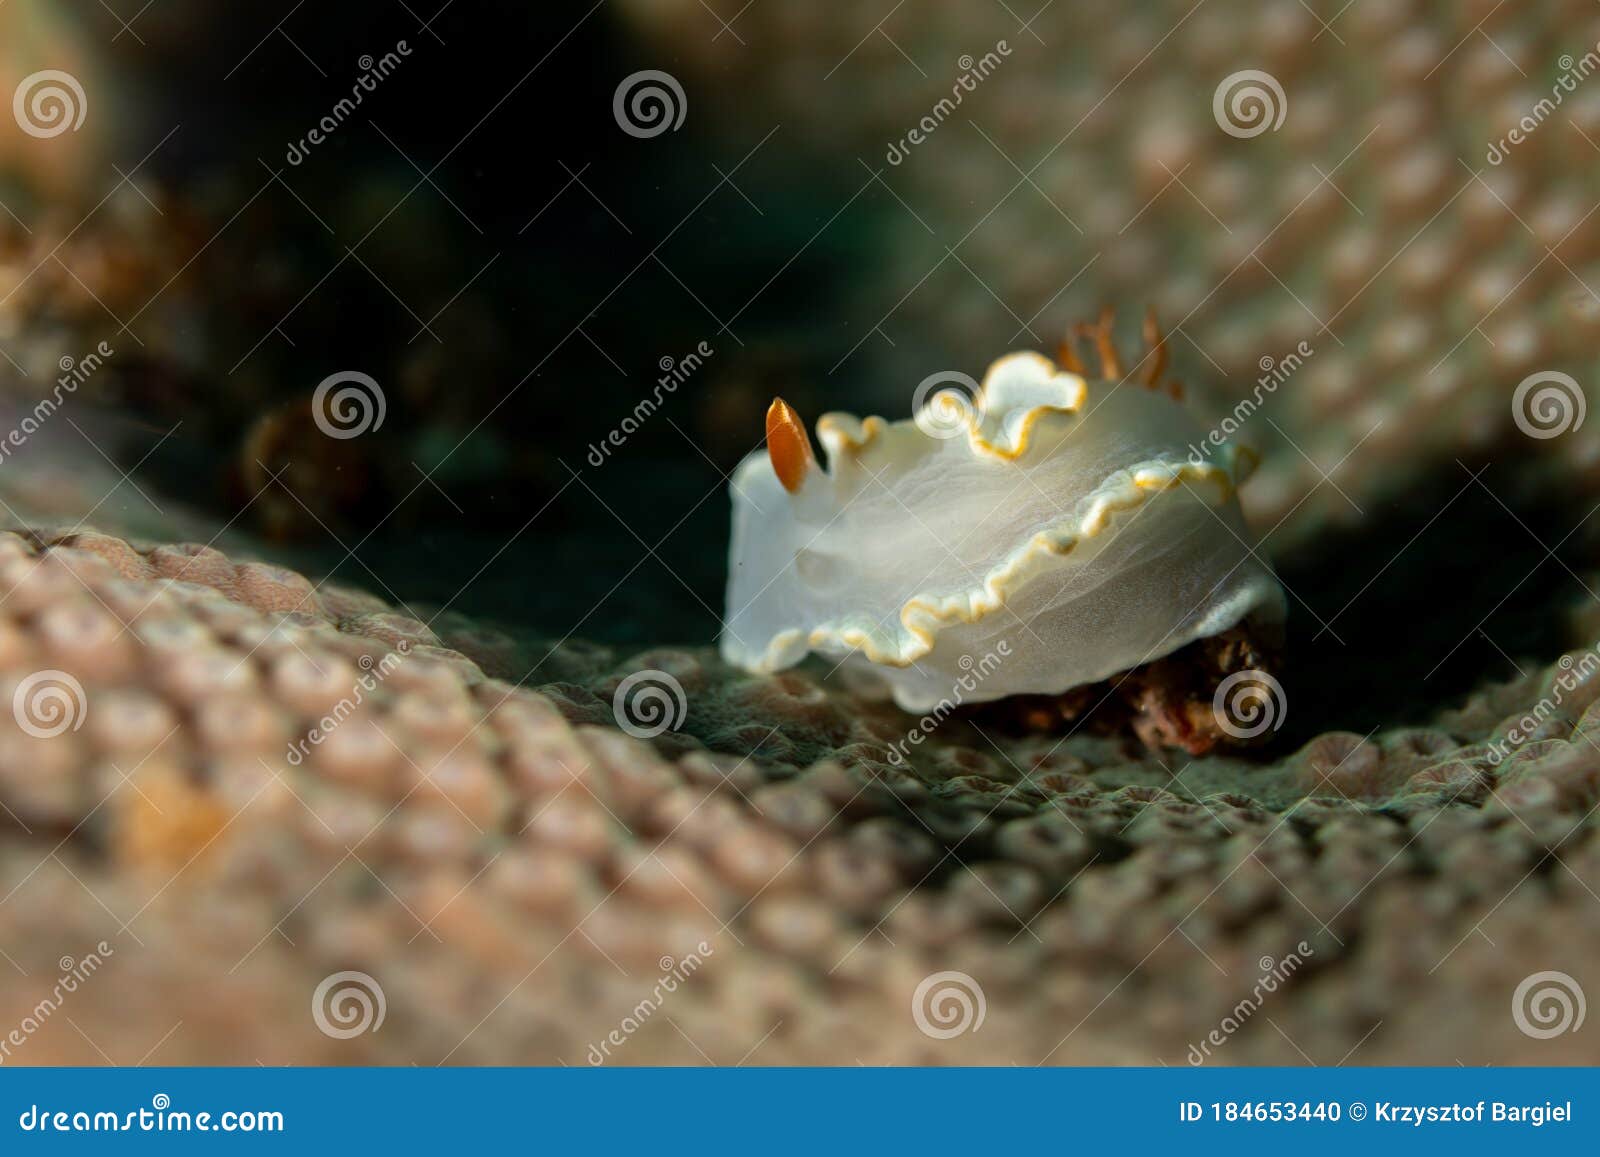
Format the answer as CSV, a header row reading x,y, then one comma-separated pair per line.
x,y
1060,517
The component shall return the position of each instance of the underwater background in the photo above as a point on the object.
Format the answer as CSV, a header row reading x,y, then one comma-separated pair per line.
x,y
394,360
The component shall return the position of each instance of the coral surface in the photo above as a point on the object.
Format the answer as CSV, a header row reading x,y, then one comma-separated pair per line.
x,y
518,875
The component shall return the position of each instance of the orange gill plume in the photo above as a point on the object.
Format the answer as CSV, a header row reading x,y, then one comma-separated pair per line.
x,y
1100,334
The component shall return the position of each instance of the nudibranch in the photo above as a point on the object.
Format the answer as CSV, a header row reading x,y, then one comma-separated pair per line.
x,y
1057,527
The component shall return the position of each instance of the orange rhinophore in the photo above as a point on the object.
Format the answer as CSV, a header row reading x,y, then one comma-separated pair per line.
x,y
788,445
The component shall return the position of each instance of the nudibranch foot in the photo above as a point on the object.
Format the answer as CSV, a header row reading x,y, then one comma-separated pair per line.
x,y
1172,702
